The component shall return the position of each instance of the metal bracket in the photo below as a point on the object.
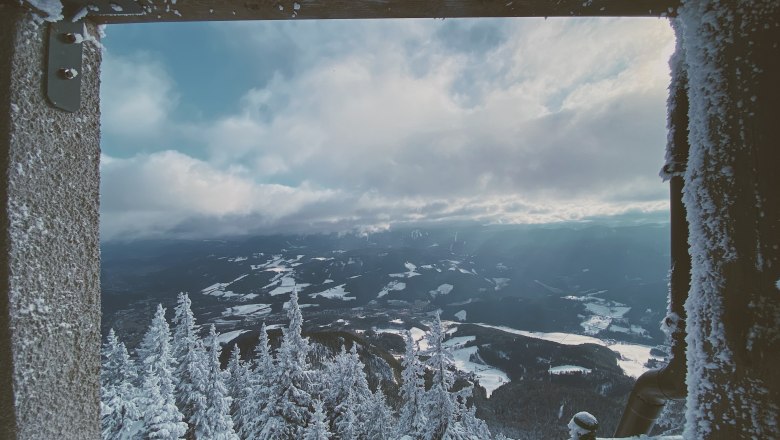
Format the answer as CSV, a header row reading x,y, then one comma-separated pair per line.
x,y
66,41
63,70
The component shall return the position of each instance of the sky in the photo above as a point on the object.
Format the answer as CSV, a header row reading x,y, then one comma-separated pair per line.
x,y
224,129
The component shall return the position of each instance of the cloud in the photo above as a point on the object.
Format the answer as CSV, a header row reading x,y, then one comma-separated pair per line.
x,y
375,123
137,98
169,194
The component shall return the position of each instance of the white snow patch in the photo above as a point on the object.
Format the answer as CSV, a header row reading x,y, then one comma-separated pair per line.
x,y
410,272
391,286
444,289
338,292
568,369
633,357
594,324
459,341
461,315
396,321
52,9
488,377
500,283
248,310
224,338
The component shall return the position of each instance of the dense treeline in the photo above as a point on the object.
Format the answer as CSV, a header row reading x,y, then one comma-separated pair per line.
x,y
174,388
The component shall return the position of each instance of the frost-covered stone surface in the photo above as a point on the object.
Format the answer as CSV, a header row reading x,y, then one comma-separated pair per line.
x,y
50,169
731,187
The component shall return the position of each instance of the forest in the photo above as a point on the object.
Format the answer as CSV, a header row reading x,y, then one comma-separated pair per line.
x,y
175,388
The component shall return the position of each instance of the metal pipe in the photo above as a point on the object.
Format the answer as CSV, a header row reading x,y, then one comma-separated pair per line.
x,y
655,387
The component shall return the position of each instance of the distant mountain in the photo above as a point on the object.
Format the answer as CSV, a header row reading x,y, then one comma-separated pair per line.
x,y
543,318
608,281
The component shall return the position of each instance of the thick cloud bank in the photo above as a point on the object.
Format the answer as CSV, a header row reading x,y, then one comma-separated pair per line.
x,y
368,124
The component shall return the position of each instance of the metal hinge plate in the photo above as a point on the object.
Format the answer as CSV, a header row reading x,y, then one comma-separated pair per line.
x,y
63,70
65,47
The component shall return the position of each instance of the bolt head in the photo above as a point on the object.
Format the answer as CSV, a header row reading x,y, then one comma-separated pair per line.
x,y
70,37
68,73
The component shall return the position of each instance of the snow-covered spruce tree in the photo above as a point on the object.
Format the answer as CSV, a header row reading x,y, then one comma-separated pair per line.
x,y
348,426
412,420
185,340
238,385
379,420
162,419
464,424
252,415
287,411
439,404
347,390
318,425
118,392
211,417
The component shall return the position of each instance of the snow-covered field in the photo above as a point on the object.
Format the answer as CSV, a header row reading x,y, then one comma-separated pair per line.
x,y
633,357
410,271
390,287
224,338
443,289
338,292
568,369
248,310
488,377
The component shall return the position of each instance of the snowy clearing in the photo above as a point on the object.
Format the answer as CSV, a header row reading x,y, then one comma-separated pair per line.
x,y
390,287
225,338
338,292
633,357
569,369
248,310
410,271
444,289
488,377
500,283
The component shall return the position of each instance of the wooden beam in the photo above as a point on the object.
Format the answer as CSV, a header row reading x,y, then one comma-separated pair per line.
x,y
224,10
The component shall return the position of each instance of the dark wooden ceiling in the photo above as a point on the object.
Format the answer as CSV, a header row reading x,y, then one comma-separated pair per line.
x,y
221,10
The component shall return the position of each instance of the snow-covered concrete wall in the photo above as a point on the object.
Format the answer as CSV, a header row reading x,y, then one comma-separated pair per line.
x,y
732,189
50,268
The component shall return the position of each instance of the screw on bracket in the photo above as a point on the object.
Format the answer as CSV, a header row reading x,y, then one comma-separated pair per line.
x,y
68,73
70,37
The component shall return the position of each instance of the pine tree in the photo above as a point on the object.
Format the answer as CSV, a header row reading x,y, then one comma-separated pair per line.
x,y
252,415
287,412
212,409
348,426
118,409
439,403
238,385
185,340
162,420
464,424
379,421
318,426
412,420
348,387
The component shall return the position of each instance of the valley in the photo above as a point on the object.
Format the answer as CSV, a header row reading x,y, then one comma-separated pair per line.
x,y
566,316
